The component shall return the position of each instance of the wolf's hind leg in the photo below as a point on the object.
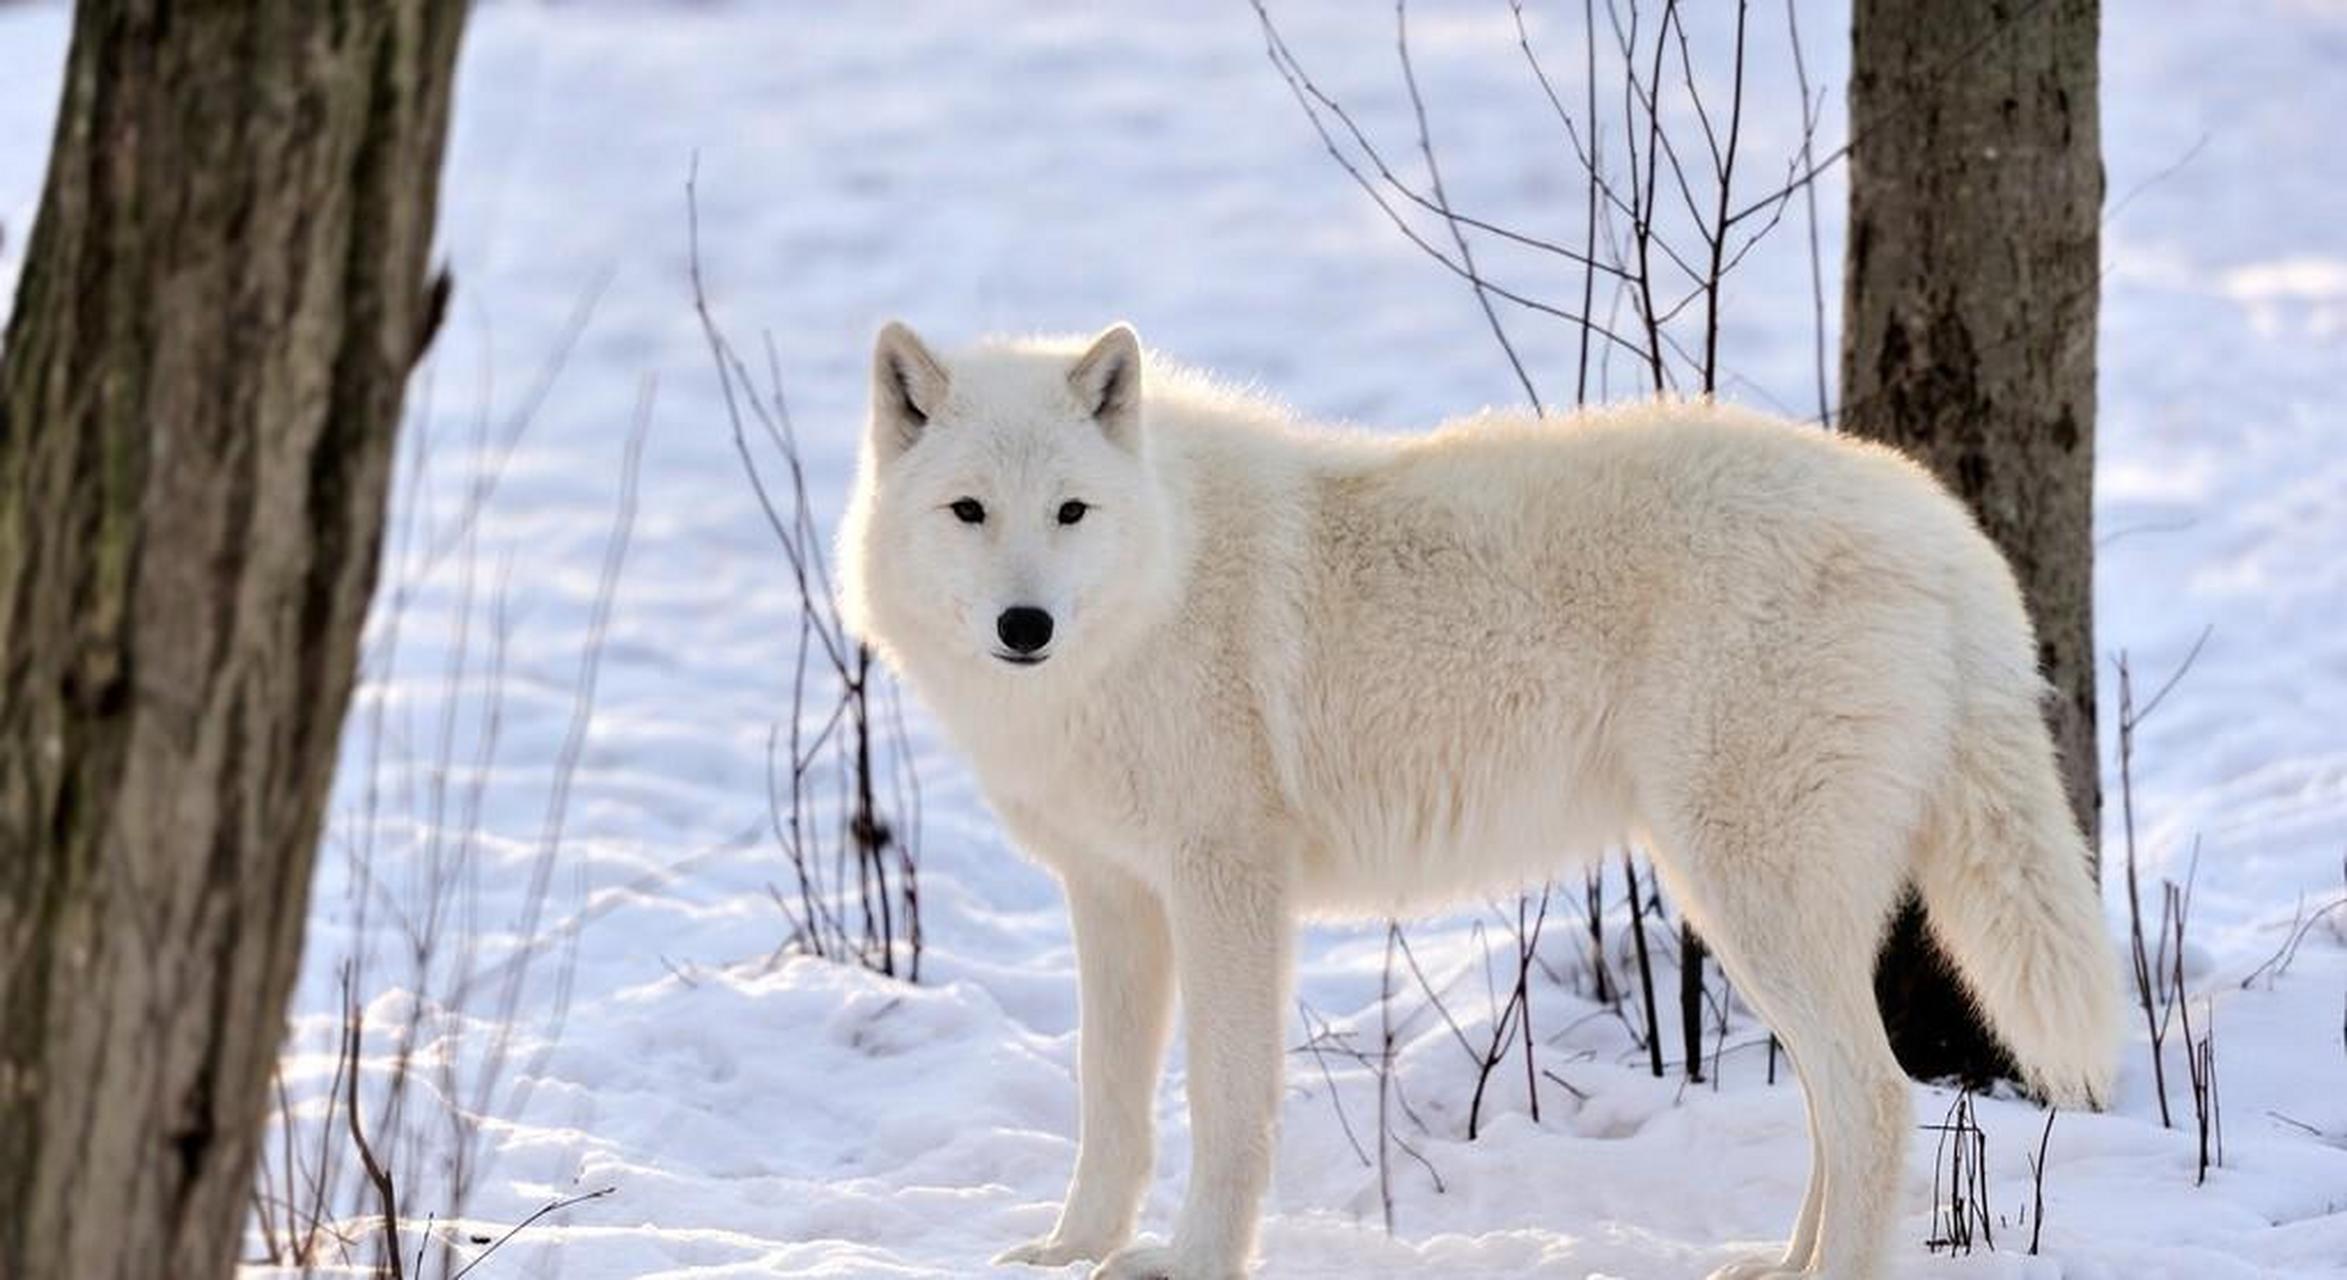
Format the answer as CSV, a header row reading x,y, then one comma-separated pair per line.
x,y
1792,890
1794,1257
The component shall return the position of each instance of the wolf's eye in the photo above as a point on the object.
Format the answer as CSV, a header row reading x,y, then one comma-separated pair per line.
x,y
968,510
1071,511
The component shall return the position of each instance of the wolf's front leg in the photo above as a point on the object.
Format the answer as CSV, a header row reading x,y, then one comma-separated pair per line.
x,y
1231,948
1124,974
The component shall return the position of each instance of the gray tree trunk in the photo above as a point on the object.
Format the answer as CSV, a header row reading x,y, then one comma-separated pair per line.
x,y
1970,293
221,300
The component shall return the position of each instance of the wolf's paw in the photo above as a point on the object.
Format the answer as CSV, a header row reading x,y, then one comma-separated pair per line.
x,y
1760,1266
1159,1262
1050,1251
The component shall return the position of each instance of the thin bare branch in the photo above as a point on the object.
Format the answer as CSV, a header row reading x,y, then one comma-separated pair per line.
x,y
1442,201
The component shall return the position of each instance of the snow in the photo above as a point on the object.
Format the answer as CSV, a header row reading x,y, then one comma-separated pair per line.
x,y
983,166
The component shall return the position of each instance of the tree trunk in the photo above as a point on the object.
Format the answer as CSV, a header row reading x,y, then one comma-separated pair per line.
x,y
221,300
1968,342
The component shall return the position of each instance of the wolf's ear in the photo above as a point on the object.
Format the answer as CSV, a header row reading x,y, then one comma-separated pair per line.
x,y
1107,382
908,385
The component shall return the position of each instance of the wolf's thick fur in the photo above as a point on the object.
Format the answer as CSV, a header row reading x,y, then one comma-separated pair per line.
x,y
1291,670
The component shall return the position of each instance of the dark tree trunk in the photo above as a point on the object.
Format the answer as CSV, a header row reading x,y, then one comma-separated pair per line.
x,y
1969,306
221,300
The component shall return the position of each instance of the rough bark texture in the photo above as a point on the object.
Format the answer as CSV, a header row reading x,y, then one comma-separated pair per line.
x,y
1969,304
222,297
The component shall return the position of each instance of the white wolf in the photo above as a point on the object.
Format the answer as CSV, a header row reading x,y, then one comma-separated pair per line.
x,y
1218,669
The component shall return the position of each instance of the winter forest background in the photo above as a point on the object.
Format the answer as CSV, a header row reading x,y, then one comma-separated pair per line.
x,y
604,1026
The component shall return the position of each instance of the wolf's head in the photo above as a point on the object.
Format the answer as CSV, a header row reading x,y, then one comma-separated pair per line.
x,y
1007,524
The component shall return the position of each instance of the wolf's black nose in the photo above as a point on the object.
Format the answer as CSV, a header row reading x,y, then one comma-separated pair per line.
x,y
1023,628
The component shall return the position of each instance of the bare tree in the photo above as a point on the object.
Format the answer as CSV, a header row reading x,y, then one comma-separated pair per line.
x,y
222,298
1969,300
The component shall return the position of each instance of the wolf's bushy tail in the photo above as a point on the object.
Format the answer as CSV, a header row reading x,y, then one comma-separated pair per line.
x,y
2006,886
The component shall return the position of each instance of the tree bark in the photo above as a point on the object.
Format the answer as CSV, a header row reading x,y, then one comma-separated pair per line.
x,y
222,298
1970,294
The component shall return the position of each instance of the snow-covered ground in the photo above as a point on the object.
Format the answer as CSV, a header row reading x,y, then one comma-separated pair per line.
x,y
984,165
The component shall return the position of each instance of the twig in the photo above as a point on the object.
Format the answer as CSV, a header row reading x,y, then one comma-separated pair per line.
x,y
2279,963
2130,719
1816,260
551,1206
2200,1053
1434,998
1959,1182
2037,1181
1645,966
1313,101
1312,1045
1442,201
1385,1075
882,838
